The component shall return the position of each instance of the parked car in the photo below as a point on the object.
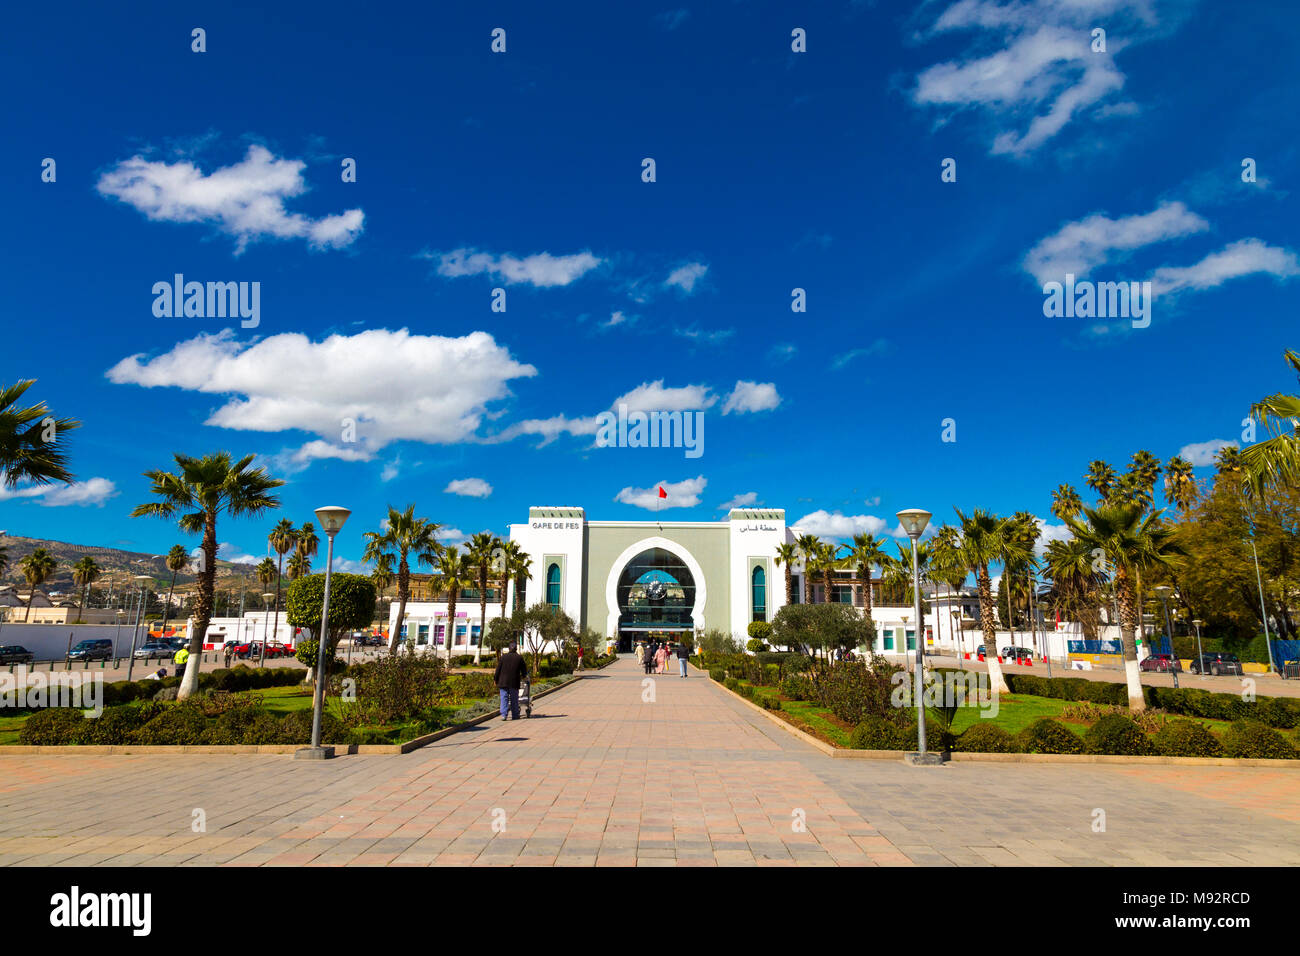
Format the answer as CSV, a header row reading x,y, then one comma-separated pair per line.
x,y
1014,653
251,649
154,649
95,650
1216,663
1161,662
15,654
369,640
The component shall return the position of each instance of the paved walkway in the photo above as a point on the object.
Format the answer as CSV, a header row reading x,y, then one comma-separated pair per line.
x,y
599,777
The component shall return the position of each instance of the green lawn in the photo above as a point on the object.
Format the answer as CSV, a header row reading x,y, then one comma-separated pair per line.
x,y
1015,713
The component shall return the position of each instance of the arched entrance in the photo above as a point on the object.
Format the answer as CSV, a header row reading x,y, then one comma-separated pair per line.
x,y
655,590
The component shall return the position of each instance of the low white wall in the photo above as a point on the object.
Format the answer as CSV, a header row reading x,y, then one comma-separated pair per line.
x,y
49,642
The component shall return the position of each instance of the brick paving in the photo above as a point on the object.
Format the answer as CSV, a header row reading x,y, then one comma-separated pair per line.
x,y
600,777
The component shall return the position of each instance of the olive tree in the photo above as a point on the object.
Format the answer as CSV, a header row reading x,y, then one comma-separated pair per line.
x,y
352,602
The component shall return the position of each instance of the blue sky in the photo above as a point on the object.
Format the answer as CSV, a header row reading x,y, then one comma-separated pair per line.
x,y
522,170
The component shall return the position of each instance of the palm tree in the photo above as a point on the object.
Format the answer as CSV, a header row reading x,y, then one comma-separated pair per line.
x,y
282,539
37,568
521,569
85,572
868,552
1146,469
985,539
177,560
383,577
481,551
786,556
946,567
453,572
1132,541
308,542
298,566
1065,501
1228,461
827,562
511,551
404,535
30,448
809,548
1077,587
1276,460
1100,478
195,495
1180,483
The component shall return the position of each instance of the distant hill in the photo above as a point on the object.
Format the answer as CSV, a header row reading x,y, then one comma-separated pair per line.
x,y
113,561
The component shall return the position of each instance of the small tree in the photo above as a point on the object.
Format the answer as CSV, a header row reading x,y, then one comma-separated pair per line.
x,y
533,629
819,630
352,602
760,635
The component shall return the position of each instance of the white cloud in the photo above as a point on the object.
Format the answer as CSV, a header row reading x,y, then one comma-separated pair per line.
x,y
878,347
291,461
1202,453
751,397
451,535
1049,532
654,396
548,429
617,318
681,494
1241,258
740,501
685,277
92,491
782,352
1079,247
245,200
541,269
1044,66
229,552
391,469
288,381
836,525
348,566
468,487
672,19
696,334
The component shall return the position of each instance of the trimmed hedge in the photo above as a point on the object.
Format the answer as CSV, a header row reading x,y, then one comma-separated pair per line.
x,y
891,733
1280,712
1048,736
1117,734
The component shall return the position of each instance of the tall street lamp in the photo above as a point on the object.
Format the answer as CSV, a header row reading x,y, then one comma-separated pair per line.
x,y
914,521
1163,591
1263,611
1198,622
331,519
139,615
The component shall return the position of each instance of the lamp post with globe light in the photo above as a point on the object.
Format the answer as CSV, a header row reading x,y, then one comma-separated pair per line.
x,y
331,519
1198,622
914,521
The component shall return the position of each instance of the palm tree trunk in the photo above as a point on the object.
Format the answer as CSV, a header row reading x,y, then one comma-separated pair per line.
x,y
403,592
1127,618
167,609
31,593
997,683
482,624
451,623
207,585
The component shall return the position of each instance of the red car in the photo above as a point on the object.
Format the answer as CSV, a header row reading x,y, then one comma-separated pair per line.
x,y
1161,662
254,649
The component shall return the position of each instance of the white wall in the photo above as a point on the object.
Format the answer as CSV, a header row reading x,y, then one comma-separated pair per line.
x,y
49,642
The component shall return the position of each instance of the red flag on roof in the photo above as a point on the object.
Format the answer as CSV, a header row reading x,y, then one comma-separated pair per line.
x,y
662,493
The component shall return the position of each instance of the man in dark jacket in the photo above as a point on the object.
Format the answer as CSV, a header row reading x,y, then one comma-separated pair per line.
x,y
683,652
511,670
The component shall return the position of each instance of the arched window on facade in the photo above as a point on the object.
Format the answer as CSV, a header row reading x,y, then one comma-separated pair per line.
x,y
758,594
553,585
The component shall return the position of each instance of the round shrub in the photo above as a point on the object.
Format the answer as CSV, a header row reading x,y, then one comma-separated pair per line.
x,y
52,726
1047,736
1187,738
295,728
797,687
717,674
986,738
1117,734
245,725
881,733
179,725
115,725
1250,738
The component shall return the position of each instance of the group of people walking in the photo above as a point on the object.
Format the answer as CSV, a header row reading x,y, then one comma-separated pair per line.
x,y
654,656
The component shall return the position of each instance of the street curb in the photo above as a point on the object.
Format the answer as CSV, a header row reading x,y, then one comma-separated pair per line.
x,y
117,750
843,753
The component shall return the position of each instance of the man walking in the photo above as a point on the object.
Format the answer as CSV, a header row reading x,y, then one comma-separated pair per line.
x,y
179,660
510,671
682,654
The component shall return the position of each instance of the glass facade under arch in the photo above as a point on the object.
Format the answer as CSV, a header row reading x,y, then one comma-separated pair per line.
x,y
656,590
